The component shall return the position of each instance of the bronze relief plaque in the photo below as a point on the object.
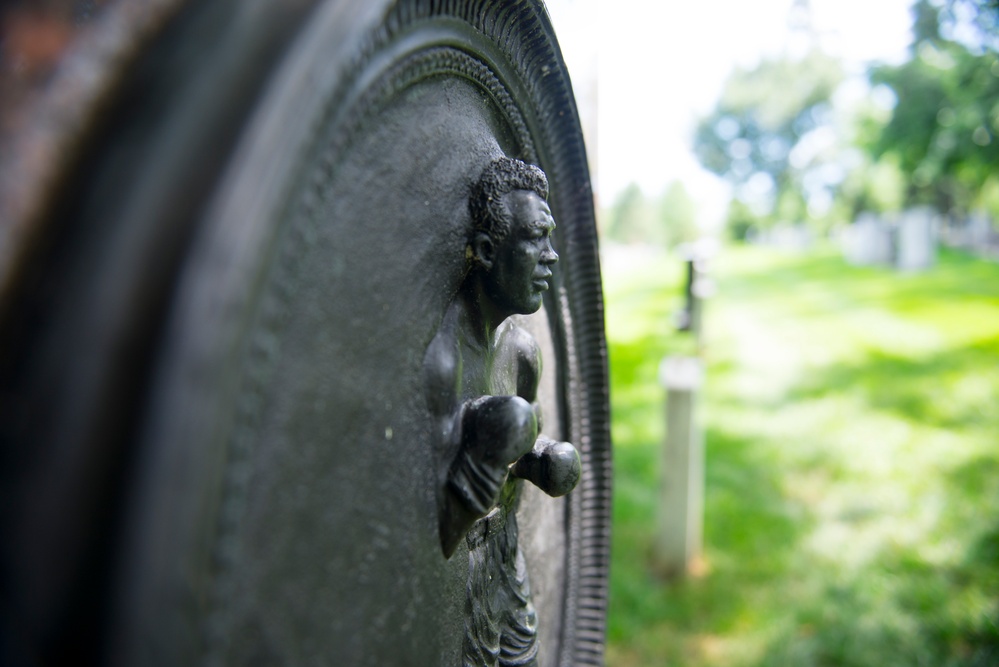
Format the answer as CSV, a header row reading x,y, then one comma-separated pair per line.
x,y
372,426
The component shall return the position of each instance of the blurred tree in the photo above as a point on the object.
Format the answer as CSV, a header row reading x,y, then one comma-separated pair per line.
x,y
944,129
740,220
677,214
667,220
629,216
770,134
975,23
878,187
989,198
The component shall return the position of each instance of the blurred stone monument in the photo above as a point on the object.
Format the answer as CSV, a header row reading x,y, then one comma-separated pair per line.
x,y
868,241
681,505
698,284
907,242
979,233
915,240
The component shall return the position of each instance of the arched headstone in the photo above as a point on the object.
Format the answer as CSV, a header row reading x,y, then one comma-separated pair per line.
x,y
220,443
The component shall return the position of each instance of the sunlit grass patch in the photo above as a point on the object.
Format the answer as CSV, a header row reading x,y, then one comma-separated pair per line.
x,y
852,482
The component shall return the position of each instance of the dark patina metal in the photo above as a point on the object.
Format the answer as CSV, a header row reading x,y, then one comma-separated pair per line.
x,y
238,434
482,373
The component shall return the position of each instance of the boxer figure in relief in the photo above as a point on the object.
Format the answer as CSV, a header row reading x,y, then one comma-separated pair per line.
x,y
482,373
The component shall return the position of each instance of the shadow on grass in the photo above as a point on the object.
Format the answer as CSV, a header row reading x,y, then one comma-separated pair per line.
x,y
906,608
746,513
979,478
981,636
635,362
921,390
904,612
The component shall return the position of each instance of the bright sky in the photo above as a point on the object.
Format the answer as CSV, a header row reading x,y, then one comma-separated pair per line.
x,y
654,66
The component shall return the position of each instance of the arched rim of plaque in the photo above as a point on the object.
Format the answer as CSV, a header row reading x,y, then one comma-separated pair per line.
x,y
186,484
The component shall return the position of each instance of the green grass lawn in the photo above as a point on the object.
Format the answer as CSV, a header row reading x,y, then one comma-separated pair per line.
x,y
852,480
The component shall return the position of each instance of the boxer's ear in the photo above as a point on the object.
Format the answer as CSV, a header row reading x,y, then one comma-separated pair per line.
x,y
483,250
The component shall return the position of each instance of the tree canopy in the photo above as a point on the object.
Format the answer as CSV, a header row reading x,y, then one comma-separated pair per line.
x,y
667,219
778,137
769,133
944,128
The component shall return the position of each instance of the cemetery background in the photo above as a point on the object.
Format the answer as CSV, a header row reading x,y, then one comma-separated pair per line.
x,y
852,480
851,410
850,406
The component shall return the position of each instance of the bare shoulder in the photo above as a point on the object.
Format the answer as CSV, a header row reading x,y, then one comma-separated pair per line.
x,y
520,344
442,365
521,352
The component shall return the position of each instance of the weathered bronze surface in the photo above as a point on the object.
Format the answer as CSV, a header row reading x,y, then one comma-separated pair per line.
x,y
482,373
227,330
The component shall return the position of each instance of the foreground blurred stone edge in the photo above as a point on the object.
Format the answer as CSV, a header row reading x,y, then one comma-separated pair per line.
x,y
215,444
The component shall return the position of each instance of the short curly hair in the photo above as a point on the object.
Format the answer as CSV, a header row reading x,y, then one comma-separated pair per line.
x,y
502,176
